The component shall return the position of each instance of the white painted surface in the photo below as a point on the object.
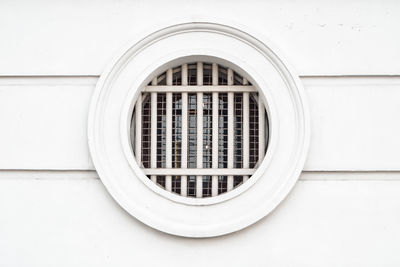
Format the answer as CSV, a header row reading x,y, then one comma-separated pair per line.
x,y
319,37
43,123
354,123
74,222
333,217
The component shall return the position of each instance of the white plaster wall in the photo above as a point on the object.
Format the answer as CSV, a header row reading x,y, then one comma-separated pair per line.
x,y
345,209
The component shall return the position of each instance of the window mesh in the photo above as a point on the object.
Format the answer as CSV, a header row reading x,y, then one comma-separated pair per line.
x,y
192,131
176,130
146,131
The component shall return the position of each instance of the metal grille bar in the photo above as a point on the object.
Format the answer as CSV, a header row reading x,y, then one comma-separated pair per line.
x,y
199,178
215,111
168,147
184,129
230,129
199,172
153,146
202,88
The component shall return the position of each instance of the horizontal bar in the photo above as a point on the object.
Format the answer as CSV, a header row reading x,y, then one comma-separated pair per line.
x,y
199,88
219,172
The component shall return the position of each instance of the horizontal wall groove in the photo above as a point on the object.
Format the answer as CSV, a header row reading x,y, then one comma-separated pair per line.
x,y
350,175
308,80
48,174
305,176
33,76
351,76
57,80
311,80
49,76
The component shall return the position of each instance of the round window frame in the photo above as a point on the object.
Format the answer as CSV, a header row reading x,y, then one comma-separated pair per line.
x,y
110,150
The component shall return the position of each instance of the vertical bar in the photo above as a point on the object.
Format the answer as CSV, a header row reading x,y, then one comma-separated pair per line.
x,y
199,73
168,137
199,186
230,129
261,129
184,74
214,181
230,77
184,185
153,145
184,130
199,156
246,133
199,178
169,77
138,129
214,186
214,74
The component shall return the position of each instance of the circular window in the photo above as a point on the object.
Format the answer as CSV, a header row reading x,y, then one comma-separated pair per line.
x,y
206,86
199,130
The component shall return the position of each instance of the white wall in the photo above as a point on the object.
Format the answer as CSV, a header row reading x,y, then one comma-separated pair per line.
x,y
344,211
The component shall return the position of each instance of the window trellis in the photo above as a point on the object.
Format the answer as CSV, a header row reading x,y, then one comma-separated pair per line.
x,y
200,130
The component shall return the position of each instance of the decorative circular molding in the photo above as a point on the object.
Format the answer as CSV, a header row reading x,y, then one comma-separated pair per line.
x,y
109,131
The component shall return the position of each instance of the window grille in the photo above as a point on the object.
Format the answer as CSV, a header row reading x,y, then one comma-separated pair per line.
x,y
200,130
